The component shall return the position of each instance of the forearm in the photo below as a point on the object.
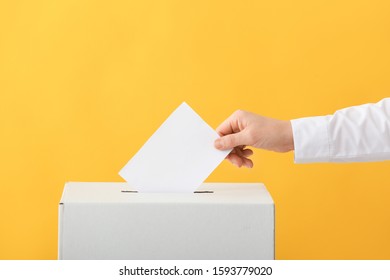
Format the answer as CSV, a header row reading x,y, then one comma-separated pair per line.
x,y
359,133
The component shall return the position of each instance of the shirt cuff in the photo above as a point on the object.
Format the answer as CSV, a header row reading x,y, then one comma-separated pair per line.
x,y
311,140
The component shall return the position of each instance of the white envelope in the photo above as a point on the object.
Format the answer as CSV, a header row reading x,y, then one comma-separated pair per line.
x,y
178,157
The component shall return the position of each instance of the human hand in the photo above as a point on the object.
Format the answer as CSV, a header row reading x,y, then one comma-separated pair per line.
x,y
243,129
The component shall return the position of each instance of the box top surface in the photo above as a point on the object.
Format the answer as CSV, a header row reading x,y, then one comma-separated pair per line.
x,y
105,192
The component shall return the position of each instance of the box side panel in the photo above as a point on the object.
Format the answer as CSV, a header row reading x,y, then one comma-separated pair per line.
x,y
60,229
274,233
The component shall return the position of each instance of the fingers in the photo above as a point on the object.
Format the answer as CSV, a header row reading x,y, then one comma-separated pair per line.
x,y
239,155
235,136
230,141
247,152
239,161
227,127
231,124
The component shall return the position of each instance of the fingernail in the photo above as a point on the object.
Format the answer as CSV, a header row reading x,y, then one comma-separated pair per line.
x,y
218,144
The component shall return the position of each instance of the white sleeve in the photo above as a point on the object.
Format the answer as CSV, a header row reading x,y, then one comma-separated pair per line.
x,y
358,133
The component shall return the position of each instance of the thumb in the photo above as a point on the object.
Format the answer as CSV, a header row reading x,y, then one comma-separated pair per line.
x,y
229,141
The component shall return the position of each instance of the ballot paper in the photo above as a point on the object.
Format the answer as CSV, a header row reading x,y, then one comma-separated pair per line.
x,y
178,157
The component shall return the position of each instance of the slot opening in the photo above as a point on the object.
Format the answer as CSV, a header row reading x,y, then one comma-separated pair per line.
x,y
203,191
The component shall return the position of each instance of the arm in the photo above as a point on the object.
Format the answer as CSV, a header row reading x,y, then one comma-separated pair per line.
x,y
358,133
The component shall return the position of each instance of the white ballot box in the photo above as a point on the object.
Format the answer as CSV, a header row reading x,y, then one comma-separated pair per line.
x,y
218,221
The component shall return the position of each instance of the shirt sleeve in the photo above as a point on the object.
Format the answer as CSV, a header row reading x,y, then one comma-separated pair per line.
x,y
354,134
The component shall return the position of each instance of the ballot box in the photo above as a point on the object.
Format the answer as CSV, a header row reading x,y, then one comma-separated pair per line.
x,y
217,221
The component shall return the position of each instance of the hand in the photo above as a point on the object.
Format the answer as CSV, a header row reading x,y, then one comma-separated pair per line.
x,y
243,129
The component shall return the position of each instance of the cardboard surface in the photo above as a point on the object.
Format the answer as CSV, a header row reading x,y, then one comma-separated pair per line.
x,y
110,221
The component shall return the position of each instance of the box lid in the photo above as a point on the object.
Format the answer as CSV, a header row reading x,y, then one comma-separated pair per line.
x,y
115,192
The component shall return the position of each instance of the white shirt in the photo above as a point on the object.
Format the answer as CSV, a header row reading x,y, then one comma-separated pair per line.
x,y
358,133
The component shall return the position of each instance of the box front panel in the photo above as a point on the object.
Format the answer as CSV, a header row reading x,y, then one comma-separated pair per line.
x,y
167,231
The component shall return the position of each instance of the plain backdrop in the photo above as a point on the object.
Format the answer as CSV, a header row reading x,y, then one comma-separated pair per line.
x,y
83,84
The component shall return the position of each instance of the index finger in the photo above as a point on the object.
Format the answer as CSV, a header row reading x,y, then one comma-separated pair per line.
x,y
229,126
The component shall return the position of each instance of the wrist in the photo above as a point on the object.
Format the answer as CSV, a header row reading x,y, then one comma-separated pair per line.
x,y
287,136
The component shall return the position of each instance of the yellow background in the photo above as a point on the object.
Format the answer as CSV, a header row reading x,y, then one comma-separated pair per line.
x,y
83,84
